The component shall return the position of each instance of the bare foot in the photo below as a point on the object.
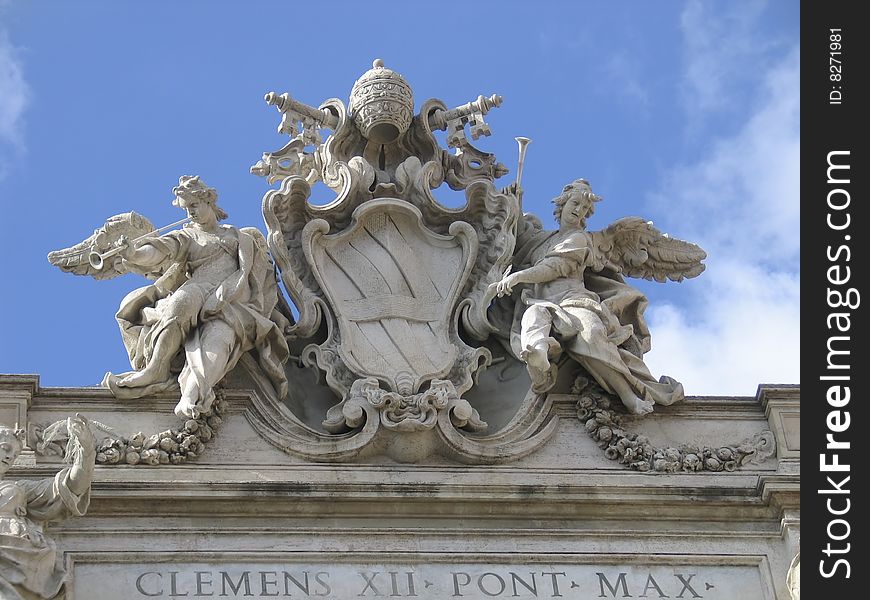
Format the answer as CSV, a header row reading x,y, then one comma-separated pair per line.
x,y
193,408
185,409
541,372
537,358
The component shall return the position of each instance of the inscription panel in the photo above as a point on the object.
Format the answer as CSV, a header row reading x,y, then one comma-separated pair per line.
x,y
474,581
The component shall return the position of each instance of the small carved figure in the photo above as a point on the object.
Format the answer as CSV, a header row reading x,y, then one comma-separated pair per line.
x,y
214,299
578,302
30,565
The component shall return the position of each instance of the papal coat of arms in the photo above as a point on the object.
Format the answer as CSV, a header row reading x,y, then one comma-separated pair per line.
x,y
399,307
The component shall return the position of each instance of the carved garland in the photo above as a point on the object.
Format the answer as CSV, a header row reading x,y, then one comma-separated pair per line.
x,y
170,447
595,409
605,425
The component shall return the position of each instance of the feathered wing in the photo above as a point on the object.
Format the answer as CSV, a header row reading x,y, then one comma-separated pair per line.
x,y
75,258
633,247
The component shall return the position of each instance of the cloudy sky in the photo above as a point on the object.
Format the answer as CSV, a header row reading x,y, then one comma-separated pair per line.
x,y
685,113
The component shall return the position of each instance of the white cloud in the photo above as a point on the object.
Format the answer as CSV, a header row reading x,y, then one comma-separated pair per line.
x,y
14,97
751,178
721,51
742,330
739,201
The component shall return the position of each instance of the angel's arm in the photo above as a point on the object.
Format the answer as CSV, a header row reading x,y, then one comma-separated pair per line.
x,y
82,471
545,270
565,260
152,252
146,255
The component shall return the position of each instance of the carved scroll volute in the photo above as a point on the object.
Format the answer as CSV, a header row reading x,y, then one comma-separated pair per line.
x,y
494,216
495,222
421,142
344,143
285,213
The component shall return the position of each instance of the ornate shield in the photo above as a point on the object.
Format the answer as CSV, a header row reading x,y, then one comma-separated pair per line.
x,y
393,285
384,278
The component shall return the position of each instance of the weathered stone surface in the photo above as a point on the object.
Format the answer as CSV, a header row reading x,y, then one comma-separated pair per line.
x,y
244,505
427,578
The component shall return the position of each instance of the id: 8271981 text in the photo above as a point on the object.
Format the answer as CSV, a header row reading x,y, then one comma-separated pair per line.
x,y
835,65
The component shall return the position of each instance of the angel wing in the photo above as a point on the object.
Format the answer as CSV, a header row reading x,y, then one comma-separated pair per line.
x,y
633,247
75,258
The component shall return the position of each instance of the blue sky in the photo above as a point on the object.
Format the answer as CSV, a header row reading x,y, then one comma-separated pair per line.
x,y
686,113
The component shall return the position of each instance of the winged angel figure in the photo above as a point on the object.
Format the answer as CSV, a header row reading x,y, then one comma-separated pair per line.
x,y
214,298
576,300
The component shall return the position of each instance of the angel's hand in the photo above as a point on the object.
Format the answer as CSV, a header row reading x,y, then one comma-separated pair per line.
x,y
126,247
505,286
78,429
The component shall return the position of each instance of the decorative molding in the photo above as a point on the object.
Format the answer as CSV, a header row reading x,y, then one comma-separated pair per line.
x,y
169,447
605,426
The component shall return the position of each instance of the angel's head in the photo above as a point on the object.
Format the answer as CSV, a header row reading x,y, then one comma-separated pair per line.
x,y
193,195
575,204
11,444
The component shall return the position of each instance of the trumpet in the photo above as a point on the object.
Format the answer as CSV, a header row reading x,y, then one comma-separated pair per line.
x,y
523,143
97,259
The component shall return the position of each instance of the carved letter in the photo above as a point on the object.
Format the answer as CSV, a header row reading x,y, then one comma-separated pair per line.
x,y
456,584
264,583
532,588
602,581
651,583
369,583
139,584
245,579
483,589
173,592
686,586
394,583
288,578
326,589
555,582
201,581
